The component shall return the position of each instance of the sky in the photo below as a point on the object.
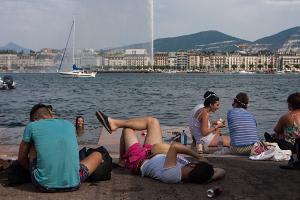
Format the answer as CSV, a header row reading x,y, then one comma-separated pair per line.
x,y
101,24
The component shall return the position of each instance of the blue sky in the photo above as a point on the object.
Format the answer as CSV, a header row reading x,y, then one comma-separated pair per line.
x,y
37,24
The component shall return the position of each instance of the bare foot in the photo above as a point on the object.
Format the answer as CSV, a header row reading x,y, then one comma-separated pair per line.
x,y
112,124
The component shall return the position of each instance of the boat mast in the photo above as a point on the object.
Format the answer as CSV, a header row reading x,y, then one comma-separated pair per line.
x,y
73,40
64,53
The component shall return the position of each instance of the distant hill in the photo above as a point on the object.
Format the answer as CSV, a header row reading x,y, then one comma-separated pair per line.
x,y
284,40
15,47
204,41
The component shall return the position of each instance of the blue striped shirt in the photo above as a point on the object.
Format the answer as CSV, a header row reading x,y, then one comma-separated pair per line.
x,y
242,127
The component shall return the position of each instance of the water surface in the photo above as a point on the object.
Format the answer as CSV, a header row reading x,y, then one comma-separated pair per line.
x,y
169,97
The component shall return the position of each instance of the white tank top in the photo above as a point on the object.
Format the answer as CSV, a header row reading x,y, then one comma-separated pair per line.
x,y
194,124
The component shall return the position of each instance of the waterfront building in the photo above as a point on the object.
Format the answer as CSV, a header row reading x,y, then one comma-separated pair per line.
x,y
136,58
182,60
217,62
115,61
161,59
8,62
172,60
289,62
194,61
26,60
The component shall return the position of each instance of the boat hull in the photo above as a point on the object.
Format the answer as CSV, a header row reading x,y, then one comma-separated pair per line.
x,y
78,74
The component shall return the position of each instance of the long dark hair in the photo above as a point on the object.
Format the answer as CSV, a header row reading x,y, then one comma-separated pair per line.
x,y
76,121
210,98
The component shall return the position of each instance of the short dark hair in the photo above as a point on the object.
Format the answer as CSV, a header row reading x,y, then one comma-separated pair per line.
x,y
294,100
201,173
210,98
241,100
33,113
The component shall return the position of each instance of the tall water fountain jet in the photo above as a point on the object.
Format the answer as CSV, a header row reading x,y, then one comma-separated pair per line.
x,y
151,7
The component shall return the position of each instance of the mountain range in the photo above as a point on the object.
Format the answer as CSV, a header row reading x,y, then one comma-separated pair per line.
x,y
284,41
14,47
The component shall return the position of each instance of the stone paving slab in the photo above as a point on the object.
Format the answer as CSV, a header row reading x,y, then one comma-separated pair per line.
x,y
245,179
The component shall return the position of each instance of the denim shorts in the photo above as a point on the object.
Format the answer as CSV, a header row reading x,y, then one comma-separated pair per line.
x,y
83,173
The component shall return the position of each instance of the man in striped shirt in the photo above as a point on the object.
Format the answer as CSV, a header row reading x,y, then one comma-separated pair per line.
x,y
242,126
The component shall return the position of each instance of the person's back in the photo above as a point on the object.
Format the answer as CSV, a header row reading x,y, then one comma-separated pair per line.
x,y
57,163
242,127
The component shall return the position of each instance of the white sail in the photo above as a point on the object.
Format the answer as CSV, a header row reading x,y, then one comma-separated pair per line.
x,y
76,71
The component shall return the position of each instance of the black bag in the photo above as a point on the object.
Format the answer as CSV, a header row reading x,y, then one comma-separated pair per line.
x,y
103,171
15,175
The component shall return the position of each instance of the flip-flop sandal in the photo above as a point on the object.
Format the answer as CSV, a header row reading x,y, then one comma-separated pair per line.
x,y
103,119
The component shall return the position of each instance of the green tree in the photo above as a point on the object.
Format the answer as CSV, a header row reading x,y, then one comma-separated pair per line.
x,y
234,67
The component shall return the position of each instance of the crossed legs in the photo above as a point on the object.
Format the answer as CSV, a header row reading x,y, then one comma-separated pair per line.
x,y
130,126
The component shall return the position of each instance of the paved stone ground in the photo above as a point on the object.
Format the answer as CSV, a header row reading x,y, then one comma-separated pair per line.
x,y
245,179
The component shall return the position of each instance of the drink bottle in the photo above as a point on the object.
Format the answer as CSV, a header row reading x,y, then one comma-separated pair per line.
x,y
183,138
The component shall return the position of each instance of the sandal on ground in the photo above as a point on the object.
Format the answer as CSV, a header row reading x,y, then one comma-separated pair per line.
x,y
103,119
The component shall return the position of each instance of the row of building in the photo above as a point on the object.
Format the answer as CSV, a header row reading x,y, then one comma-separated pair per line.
x,y
134,59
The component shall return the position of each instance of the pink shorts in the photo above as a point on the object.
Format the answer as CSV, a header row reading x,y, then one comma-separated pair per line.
x,y
135,155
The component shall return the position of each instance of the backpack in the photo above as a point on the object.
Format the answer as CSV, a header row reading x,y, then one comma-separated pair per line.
x,y
15,175
103,171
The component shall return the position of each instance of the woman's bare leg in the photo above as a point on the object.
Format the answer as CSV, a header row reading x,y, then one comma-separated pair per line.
x,y
154,134
141,123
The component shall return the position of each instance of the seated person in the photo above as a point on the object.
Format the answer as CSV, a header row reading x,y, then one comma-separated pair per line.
x,y
79,124
242,126
155,159
44,140
287,130
203,133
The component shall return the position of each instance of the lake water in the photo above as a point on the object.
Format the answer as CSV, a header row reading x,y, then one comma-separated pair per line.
x,y
169,97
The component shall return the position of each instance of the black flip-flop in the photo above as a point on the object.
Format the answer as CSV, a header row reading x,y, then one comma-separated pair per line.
x,y
103,119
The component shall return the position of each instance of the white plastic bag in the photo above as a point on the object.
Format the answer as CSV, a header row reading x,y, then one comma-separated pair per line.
x,y
273,152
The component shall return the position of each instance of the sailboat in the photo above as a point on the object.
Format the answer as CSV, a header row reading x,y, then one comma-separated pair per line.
x,y
77,71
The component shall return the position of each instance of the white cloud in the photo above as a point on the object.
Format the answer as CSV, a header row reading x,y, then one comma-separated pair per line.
x,y
281,2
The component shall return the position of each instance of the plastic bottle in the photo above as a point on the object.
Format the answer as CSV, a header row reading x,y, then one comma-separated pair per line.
x,y
183,138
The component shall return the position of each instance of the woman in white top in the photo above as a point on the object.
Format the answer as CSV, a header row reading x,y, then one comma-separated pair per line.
x,y
202,131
